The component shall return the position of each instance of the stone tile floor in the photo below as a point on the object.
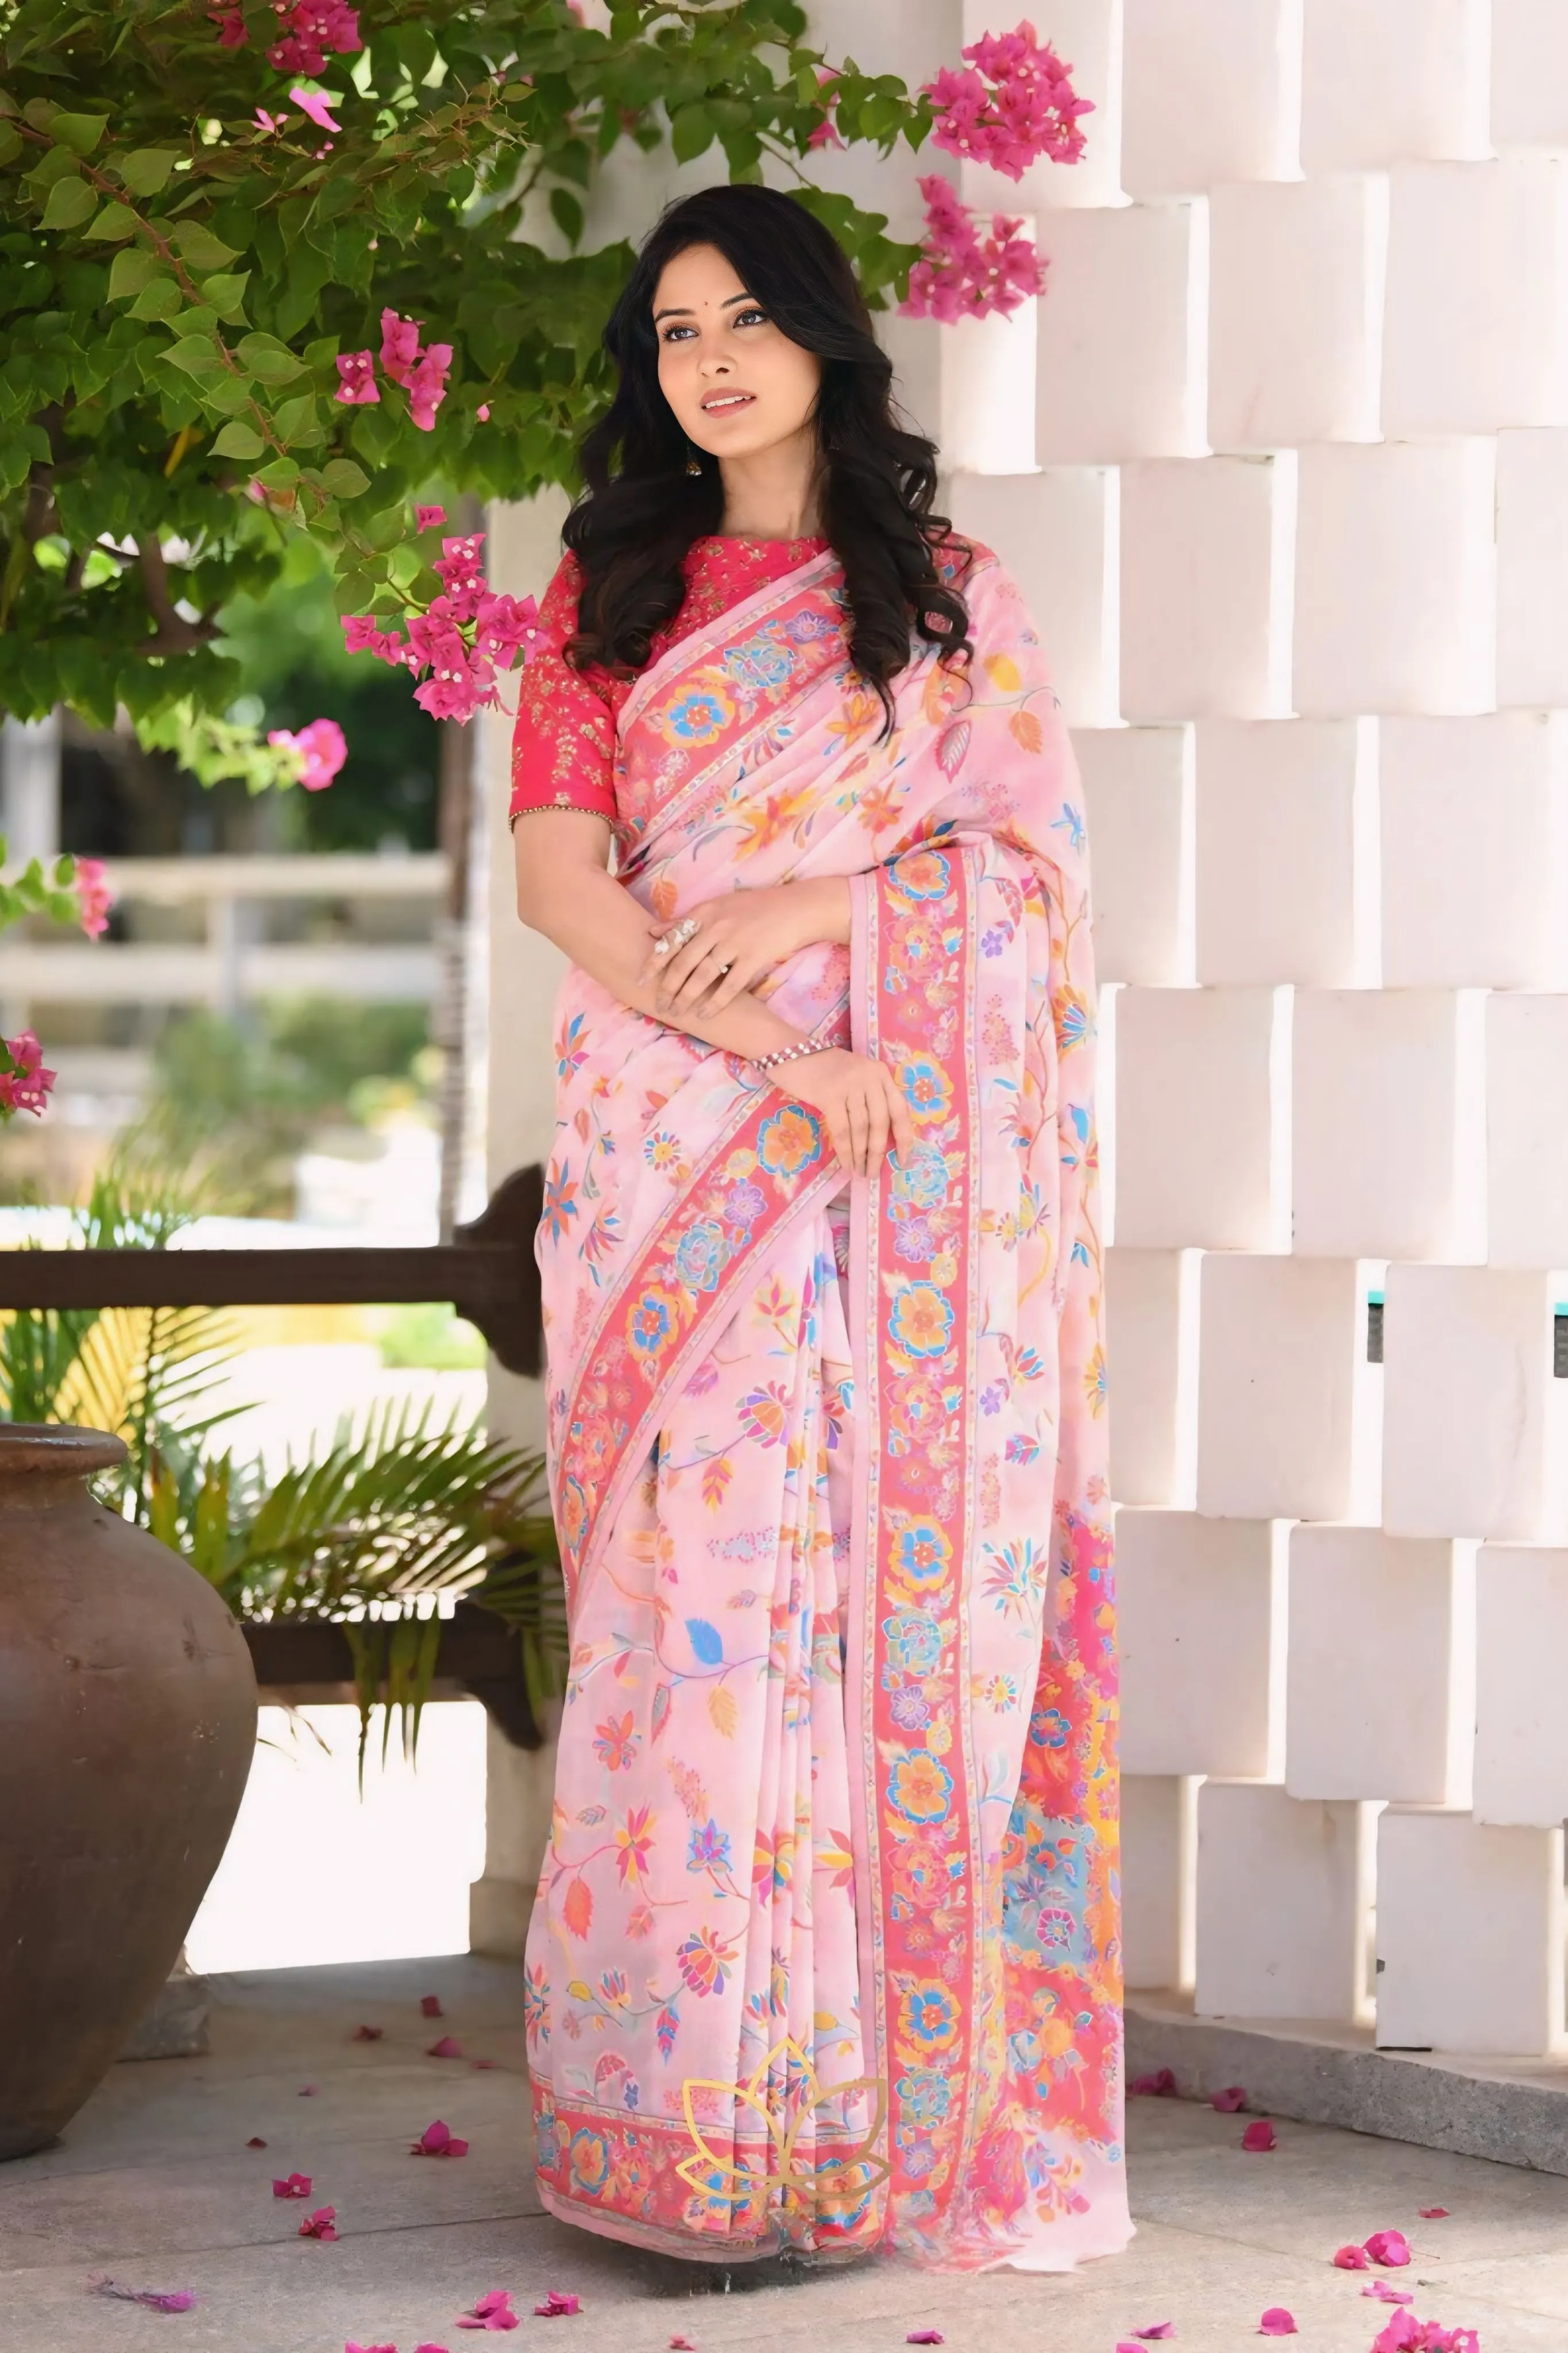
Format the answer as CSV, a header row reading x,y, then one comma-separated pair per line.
x,y
154,2184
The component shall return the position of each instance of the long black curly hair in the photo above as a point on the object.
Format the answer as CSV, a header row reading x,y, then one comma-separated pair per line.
x,y
641,510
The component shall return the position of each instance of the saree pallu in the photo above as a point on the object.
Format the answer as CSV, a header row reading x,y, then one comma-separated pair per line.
x,y
825,1951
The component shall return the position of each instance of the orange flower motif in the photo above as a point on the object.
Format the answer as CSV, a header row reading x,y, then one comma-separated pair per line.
x,y
788,1141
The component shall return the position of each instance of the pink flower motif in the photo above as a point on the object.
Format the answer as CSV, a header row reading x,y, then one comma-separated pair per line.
x,y
296,2185
26,1085
94,896
556,2306
357,386
436,2140
1012,101
428,384
1228,2101
318,106
1351,2259
323,749
1389,2247
492,2311
961,275
448,2047
1259,2137
1277,2322
826,134
399,346
322,2224
430,518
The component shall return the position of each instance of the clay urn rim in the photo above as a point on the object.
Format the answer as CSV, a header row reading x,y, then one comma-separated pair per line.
x,y
56,1448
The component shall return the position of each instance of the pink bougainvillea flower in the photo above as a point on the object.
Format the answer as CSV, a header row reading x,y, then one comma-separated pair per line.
x,y
370,2348
436,2140
296,2185
483,412
323,749
924,2335
1260,2137
26,1086
681,2344
307,29
1391,2248
430,518
1160,2328
230,25
1427,2213
368,2033
1277,2322
1381,2293
318,106
430,2005
556,2306
1350,2259
268,122
157,2299
1161,2086
399,355
428,384
322,2224
1011,102
826,134
1228,2101
492,2311
357,386
1406,2334
256,2141
961,275
448,2047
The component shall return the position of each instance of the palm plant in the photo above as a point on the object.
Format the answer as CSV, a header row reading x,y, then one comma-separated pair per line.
x,y
369,1532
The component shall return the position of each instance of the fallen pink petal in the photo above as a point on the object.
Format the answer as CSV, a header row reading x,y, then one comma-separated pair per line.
x,y
309,2091
1351,2259
294,2185
1391,2248
448,2048
1160,2086
481,2065
1433,2214
370,2348
256,2141
1260,2136
925,2337
322,2224
436,2140
1228,2101
681,2344
368,2033
556,2306
492,2311
1161,2328
430,2004
157,2299
1277,2322
1381,2293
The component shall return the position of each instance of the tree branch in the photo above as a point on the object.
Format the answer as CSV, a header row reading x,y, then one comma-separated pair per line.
x,y
174,634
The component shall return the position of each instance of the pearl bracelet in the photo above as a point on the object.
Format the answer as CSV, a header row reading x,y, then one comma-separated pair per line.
x,y
782,1054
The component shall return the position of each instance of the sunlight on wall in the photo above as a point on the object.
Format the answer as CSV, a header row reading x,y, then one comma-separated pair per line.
x,y
315,1874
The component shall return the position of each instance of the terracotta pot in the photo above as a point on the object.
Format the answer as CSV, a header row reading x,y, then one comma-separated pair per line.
x,y
127,1727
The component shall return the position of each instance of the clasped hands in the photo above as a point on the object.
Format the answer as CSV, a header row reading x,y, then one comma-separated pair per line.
x,y
731,941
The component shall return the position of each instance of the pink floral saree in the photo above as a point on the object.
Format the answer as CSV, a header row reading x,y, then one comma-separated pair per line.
x,y
826,1953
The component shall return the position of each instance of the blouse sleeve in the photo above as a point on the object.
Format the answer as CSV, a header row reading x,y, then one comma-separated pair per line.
x,y
563,749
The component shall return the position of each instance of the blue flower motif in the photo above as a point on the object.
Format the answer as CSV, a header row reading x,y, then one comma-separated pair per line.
x,y
919,1178
926,2096
701,1254
709,1847
914,1643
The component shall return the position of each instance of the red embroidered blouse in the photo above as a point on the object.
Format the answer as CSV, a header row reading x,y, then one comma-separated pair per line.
x,y
563,747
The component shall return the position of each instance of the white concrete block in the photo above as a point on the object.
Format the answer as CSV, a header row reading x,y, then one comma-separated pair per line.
x,y
1380,1680
1295,273
1531,567
1474,825
1122,357
1202,1106
1059,534
1210,91
1288,1406
1472,1438
1201,1626
1138,792
1470,1936
1159,1879
1521,1725
1388,1124
1474,320
988,388
1206,570
1527,1131
1529,75
1286,814
1383,80
1086,36
1285,1892
1395,578
1151,1325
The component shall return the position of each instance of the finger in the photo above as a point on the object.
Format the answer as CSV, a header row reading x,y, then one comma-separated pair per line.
x,y
838,1129
902,1117
703,975
877,1135
857,1129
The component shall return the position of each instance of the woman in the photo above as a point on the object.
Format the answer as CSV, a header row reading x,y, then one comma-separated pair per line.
x,y
826,1952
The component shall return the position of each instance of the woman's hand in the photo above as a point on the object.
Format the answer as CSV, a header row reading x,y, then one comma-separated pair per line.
x,y
740,937
860,1099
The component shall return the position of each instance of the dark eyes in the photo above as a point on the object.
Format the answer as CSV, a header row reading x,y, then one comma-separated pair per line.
x,y
750,317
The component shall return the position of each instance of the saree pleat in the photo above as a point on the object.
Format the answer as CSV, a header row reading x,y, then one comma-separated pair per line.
x,y
827,1952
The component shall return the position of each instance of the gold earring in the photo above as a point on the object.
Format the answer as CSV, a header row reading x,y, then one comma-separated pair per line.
x,y
693,462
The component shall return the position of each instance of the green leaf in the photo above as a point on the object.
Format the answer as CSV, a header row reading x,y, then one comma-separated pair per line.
x,y
145,169
10,145
80,132
296,420
131,271
268,360
567,213
201,248
114,223
158,298
238,441
71,202
281,475
224,293
196,355
344,480
692,130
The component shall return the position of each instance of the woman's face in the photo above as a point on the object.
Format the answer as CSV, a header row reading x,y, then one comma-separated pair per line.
x,y
736,383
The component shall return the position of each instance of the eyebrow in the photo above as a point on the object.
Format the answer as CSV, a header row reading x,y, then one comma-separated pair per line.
x,y
669,313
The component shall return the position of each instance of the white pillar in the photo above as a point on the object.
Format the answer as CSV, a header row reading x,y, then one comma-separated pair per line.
x,y
31,803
